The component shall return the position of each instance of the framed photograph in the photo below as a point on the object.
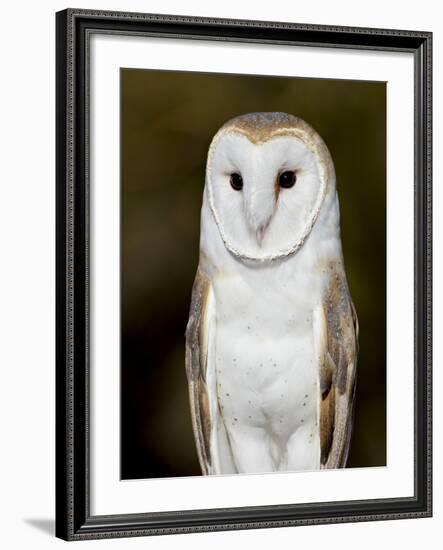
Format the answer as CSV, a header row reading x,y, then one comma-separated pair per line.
x,y
243,274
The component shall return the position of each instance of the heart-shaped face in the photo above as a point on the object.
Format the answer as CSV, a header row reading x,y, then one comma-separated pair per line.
x,y
267,175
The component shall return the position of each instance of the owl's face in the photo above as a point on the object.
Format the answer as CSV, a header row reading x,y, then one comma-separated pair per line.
x,y
265,195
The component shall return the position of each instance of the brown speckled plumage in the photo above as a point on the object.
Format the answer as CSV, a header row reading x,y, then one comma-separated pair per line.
x,y
196,365
337,370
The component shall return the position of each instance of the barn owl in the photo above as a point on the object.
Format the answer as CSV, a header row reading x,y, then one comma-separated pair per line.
x,y
272,336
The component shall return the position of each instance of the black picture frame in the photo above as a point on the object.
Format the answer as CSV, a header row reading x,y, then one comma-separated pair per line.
x,y
73,518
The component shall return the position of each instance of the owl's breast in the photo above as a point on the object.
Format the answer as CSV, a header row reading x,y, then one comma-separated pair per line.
x,y
265,366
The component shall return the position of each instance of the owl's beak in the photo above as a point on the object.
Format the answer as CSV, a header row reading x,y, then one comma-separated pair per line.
x,y
259,220
259,203
260,226
260,232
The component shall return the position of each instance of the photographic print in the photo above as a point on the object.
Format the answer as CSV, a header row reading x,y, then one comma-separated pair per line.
x,y
244,305
253,270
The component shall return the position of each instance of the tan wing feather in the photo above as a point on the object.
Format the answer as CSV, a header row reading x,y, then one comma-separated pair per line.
x,y
337,371
196,367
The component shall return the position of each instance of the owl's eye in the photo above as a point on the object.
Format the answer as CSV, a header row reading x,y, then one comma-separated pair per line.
x,y
236,181
287,179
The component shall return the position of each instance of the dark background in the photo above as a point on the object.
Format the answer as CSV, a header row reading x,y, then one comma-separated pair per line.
x,y
167,122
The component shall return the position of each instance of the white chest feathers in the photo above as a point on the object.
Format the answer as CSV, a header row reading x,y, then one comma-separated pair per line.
x,y
266,371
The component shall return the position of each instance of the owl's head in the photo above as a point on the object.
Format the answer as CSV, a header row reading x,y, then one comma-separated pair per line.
x,y
267,176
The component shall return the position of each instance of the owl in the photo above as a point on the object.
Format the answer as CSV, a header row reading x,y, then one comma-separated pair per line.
x,y
272,336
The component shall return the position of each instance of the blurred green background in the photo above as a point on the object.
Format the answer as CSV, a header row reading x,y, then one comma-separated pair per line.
x,y
167,122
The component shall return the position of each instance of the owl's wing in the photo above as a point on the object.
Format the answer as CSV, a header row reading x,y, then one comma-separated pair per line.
x,y
336,335
200,366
